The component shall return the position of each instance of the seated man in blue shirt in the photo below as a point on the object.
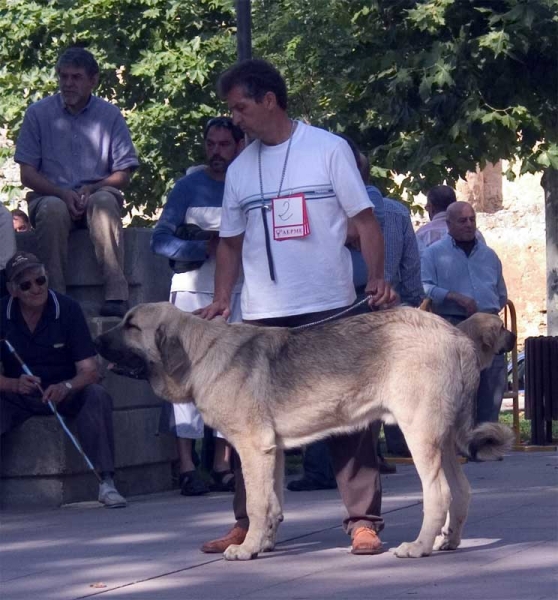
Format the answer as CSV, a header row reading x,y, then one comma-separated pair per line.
x,y
76,155
49,332
462,276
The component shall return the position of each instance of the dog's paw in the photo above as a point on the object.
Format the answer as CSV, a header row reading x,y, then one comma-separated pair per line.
x,y
411,550
442,542
236,552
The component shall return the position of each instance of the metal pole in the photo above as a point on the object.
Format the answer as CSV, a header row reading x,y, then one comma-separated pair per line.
x,y
243,30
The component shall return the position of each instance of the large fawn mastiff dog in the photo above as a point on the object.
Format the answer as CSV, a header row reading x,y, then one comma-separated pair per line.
x,y
267,389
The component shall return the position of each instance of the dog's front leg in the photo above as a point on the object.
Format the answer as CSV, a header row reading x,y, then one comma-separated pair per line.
x,y
258,466
275,516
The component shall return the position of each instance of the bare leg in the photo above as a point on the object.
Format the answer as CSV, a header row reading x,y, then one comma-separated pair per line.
x,y
222,455
184,446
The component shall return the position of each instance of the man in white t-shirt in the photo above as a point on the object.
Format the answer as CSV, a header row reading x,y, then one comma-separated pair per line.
x,y
285,209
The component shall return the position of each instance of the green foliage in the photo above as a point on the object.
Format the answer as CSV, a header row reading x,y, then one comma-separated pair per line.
x,y
159,60
428,89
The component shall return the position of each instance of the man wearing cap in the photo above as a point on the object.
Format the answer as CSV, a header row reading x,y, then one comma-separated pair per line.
x,y
76,155
49,332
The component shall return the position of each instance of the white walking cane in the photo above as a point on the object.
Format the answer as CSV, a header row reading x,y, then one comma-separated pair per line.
x,y
52,407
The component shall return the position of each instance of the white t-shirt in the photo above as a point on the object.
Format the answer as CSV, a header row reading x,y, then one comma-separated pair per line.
x,y
313,273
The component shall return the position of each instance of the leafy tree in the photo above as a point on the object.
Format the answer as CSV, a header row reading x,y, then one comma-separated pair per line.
x,y
429,88
158,59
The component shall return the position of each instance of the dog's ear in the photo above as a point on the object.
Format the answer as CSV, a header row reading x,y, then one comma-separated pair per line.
x,y
175,361
489,336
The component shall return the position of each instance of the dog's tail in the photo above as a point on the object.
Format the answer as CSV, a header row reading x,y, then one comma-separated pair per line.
x,y
487,441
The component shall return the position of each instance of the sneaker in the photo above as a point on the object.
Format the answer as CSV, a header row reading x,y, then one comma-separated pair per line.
x,y
109,496
114,308
236,535
191,484
366,541
309,485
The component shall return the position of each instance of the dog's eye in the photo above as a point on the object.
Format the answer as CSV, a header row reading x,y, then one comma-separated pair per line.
x,y
132,326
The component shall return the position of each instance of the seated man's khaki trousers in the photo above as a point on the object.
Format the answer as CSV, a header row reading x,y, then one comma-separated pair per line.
x,y
51,219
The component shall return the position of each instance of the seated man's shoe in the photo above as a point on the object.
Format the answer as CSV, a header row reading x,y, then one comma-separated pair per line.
x,y
236,535
114,308
386,468
191,484
109,496
366,541
309,485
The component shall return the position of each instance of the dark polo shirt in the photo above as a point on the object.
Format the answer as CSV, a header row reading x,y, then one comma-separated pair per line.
x,y
60,339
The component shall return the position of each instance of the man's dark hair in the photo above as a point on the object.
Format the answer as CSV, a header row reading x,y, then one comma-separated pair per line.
x,y
440,197
17,212
225,123
257,77
79,58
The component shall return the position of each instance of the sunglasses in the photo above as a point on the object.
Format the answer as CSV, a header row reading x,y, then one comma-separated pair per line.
x,y
25,286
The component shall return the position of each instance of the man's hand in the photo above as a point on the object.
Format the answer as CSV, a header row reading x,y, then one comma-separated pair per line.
x,y
84,192
465,302
56,393
381,294
73,201
215,309
27,384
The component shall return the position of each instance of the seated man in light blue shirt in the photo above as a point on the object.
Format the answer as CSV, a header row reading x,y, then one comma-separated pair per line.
x,y
76,155
462,276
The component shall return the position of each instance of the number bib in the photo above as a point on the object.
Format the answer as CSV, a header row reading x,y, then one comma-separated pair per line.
x,y
290,219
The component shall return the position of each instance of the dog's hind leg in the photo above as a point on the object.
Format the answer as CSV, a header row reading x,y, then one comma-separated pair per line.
x,y
275,516
450,537
258,459
436,495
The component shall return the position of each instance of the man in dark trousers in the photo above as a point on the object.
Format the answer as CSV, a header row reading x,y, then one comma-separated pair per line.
x,y
287,199
49,332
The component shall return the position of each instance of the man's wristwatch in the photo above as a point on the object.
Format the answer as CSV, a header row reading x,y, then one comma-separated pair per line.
x,y
69,386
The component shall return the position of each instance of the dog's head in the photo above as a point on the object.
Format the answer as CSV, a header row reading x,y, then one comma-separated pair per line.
x,y
146,345
489,335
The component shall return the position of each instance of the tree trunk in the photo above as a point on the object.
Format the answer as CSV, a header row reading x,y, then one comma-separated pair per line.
x,y
550,186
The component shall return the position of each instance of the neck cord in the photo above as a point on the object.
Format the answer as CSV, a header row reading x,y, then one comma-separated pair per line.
x,y
264,208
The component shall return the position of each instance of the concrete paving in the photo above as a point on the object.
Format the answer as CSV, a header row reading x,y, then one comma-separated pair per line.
x,y
149,551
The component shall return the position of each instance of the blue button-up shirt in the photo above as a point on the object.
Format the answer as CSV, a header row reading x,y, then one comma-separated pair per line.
x,y
447,268
74,150
401,256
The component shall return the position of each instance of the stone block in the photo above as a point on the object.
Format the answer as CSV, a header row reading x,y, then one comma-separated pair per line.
x,y
148,275
51,492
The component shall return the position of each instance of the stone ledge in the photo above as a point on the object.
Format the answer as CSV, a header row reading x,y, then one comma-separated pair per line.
x,y
148,275
135,439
